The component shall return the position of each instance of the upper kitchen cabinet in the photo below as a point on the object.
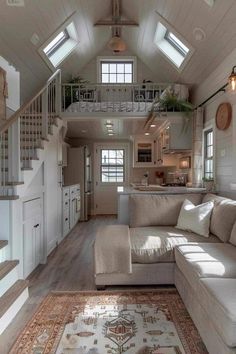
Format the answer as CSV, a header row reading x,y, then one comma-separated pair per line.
x,y
177,136
144,153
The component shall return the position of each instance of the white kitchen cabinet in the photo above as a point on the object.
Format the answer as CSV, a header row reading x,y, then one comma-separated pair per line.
x,y
32,235
70,208
144,153
177,136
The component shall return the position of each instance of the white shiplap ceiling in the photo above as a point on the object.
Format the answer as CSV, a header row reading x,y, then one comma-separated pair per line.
x,y
44,17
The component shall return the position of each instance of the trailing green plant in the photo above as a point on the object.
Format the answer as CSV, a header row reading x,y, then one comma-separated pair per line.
x,y
171,102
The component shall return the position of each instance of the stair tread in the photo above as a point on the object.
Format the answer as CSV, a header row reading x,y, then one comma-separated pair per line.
x,y
9,197
3,243
6,267
11,295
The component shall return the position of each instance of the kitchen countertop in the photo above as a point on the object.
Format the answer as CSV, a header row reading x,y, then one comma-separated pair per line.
x,y
166,190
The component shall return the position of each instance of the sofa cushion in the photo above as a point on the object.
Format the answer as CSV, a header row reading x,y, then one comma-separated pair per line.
x,y
232,239
223,216
156,243
158,210
195,218
219,301
206,260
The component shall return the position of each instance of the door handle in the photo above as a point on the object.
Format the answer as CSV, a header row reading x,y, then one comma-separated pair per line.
x,y
37,225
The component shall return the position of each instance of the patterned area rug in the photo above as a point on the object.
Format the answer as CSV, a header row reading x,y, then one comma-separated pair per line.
x,y
134,322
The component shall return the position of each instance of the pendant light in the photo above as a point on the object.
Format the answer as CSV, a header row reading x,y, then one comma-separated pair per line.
x,y
232,80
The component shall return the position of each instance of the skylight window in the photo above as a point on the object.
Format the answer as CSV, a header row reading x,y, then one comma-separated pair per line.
x,y
175,49
60,45
56,43
176,42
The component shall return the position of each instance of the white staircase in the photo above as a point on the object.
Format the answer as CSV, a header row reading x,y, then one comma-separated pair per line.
x,y
23,142
13,291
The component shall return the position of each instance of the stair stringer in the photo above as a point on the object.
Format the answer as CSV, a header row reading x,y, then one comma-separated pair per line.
x,y
28,175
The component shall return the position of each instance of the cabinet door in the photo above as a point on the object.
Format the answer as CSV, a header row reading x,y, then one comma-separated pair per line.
x,y
159,152
29,247
72,212
144,154
38,241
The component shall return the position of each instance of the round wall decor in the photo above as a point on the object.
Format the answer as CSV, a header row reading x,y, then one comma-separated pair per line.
x,y
224,116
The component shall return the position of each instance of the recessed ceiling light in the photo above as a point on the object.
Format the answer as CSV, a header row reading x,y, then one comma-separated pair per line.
x,y
109,125
34,39
110,134
152,125
199,34
110,130
147,133
15,2
83,131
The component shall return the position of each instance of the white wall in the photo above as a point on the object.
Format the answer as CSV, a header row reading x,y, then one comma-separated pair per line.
x,y
53,202
13,81
225,141
89,72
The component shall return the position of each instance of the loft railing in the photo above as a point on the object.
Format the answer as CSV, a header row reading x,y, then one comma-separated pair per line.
x,y
23,132
84,98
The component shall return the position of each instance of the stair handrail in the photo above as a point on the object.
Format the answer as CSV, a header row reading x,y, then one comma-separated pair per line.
x,y
4,127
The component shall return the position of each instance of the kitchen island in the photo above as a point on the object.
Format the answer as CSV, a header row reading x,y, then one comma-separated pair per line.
x,y
125,192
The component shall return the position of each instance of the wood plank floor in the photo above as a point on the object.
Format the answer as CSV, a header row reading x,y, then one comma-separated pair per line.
x,y
69,267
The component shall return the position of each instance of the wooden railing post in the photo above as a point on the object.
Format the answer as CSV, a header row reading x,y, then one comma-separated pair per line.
x,y
45,113
14,160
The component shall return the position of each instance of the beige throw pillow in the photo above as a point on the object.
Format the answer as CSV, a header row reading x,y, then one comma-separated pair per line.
x,y
195,218
223,216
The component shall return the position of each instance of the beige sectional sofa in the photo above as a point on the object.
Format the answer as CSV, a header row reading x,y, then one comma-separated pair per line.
x,y
202,268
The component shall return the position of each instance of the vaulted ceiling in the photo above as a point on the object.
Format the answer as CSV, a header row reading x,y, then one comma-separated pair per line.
x,y
44,17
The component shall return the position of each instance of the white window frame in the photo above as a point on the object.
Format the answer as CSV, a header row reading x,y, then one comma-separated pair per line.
x,y
167,49
117,59
205,130
106,146
66,48
110,165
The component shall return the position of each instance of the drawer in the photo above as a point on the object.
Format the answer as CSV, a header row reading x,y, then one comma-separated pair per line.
x,y
66,226
66,193
66,213
74,191
65,204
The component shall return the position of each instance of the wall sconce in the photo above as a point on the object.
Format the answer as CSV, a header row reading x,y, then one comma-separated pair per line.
x,y
185,162
232,80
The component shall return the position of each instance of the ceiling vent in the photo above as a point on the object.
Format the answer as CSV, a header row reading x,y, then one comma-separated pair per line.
x,y
16,2
210,2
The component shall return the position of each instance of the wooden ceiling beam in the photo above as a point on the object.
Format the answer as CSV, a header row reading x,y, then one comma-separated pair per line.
x,y
116,24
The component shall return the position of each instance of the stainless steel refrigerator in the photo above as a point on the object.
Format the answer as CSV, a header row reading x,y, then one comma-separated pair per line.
x,y
78,170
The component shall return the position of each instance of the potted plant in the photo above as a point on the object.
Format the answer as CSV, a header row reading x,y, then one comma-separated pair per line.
x,y
208,183
71,93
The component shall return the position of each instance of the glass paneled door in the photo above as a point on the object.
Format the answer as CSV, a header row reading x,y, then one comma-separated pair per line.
x,y
111,171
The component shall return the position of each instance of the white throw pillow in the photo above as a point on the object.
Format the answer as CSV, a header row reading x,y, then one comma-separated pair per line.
x,y
195,218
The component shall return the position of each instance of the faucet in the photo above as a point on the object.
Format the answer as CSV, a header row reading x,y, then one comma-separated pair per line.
x,y
146,175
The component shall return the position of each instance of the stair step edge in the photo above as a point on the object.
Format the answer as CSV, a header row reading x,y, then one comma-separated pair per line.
x,y
3,243
9,197
6,267
11,295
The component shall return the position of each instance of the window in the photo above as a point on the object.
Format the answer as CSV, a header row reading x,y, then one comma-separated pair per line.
x,y
208,154
56,43
113,165
176,50
120,72
59,46
175,42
